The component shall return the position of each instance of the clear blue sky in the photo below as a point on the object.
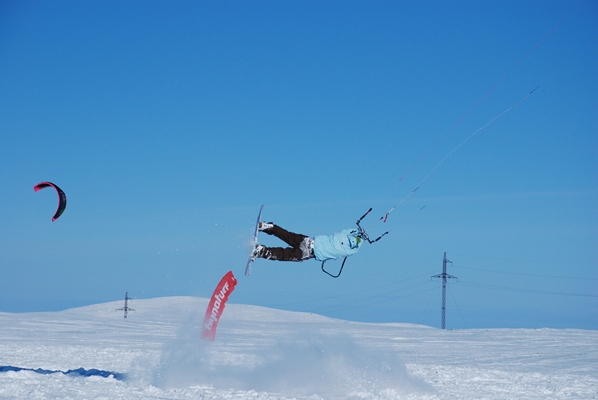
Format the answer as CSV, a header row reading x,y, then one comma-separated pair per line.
x,y
168,124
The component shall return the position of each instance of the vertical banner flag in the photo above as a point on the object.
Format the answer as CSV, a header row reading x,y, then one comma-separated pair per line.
x,y
216,307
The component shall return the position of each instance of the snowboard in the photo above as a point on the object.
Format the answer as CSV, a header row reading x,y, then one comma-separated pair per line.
x,y
253,241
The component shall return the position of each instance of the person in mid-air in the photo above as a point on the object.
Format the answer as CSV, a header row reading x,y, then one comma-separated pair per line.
x,y
322,248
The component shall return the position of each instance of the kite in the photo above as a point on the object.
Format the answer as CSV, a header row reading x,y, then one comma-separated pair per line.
x,y
61,197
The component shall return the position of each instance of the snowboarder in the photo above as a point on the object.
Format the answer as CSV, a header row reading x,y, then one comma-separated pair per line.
x,y
322,248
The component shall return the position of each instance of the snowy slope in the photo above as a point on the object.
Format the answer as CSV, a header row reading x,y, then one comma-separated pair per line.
x,y
262,353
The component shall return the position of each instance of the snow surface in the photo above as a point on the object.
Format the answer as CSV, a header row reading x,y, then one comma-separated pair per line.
x,y
262,353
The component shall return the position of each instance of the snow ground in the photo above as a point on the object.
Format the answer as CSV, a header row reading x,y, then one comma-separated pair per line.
x,y
262,353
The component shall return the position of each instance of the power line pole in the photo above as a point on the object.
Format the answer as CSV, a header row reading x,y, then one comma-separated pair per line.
x,y
126,308
444,277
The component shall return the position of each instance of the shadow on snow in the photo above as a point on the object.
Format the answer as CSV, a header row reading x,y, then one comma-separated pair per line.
x,y
70,372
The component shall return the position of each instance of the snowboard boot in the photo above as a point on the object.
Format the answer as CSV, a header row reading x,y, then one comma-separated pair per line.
x,y
264,226
257,251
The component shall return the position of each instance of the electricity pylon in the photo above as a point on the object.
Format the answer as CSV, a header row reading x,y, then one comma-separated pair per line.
x,y
126,308
444,277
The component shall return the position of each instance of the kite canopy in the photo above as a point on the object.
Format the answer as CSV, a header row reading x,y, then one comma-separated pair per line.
x,y
61,197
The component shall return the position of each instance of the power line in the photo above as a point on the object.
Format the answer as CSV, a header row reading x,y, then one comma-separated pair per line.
x,y
519,290
595,264
359,291
428,309
361,299
325,286
524,274
458,309
362,304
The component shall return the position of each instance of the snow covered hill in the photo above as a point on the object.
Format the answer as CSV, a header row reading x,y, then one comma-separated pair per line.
x,y
262,353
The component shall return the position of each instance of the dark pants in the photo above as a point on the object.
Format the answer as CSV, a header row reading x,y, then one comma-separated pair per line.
x,y
299,249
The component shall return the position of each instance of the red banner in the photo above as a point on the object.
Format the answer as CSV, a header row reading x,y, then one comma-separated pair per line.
x,y
216,306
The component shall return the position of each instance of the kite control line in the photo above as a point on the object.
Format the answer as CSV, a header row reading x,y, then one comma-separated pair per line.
x,y
384,218
361,234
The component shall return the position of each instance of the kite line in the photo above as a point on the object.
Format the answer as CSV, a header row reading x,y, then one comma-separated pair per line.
x,y
481,100
384,218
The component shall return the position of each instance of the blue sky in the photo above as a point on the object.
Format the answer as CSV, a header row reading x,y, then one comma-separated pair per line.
x,y
168,124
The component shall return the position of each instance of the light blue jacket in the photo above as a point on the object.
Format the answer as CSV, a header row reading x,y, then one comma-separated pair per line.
x,y
337,245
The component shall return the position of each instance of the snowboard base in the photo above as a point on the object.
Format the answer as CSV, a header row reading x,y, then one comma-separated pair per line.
x,y
253,242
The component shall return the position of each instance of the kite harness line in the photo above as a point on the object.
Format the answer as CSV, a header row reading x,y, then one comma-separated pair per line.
x,y
384,218
361,233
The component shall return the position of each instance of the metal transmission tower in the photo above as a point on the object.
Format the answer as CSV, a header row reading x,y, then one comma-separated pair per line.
x,y
126,308
444,277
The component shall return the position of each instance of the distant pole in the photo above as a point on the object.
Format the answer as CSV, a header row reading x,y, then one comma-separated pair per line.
x,y
126,308
444,277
